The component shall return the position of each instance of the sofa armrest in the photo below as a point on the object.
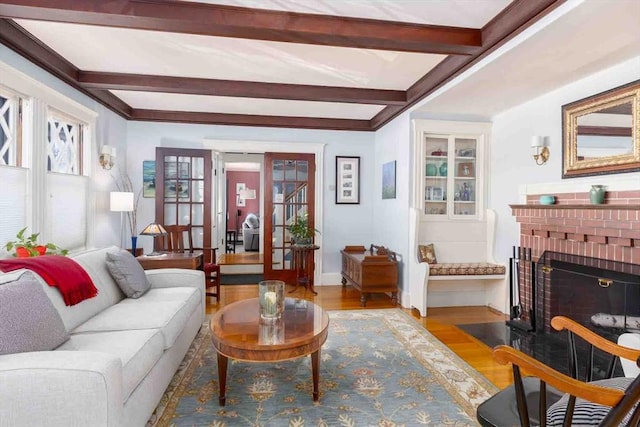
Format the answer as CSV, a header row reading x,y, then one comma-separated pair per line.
x,y
61,388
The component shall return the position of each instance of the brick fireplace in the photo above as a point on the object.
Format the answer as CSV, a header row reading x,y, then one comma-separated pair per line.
x,y
596,234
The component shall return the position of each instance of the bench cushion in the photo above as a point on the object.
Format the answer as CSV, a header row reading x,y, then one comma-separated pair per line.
x,y
465,269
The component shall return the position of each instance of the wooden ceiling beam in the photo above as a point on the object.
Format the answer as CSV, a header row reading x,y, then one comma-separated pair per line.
x,y
19,40
243,89
250,120
257,24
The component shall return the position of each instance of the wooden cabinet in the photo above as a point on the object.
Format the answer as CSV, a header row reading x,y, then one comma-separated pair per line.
x,y
370,271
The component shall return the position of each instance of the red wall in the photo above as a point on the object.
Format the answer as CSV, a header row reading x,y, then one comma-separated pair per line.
x,y
251,181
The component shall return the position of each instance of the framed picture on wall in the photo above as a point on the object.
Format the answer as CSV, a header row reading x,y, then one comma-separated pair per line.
x,y
149,178
240,186
389,180
347,180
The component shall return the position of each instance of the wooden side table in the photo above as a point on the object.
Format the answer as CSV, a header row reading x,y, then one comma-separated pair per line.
x,y
303,265
190,261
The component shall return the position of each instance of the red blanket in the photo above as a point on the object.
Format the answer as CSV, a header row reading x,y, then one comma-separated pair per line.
x,y
68,276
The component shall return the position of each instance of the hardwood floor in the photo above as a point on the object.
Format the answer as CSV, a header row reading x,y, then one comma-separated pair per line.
x,y
440,322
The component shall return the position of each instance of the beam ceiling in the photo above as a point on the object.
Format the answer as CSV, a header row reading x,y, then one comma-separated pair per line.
x,y
464,46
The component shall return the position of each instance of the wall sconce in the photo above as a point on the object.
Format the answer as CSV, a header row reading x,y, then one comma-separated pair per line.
x,y
107,157
540,150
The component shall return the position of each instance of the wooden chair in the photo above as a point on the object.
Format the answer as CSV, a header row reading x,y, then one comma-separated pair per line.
x,y
606,402
179,238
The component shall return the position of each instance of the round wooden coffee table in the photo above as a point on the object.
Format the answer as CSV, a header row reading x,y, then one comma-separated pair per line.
x,y
238,333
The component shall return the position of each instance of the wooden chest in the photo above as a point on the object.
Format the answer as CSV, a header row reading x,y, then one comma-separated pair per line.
x,y
370,271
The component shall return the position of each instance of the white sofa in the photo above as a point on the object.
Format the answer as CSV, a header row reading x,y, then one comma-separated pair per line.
x,y
120,358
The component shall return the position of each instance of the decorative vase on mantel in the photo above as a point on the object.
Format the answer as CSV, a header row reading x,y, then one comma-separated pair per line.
x,y
596,194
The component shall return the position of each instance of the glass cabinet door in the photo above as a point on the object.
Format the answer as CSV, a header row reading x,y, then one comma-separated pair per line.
x,y
435,175
451,185
464,184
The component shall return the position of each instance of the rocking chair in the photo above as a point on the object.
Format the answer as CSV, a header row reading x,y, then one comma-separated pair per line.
x,y
550,398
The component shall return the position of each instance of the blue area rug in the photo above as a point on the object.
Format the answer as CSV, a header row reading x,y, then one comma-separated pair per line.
x,y
378,368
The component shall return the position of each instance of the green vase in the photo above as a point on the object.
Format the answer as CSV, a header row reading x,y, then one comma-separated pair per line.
x,y
596,194
443,169
432,170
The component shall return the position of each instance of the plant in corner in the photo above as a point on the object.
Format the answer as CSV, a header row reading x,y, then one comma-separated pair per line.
x,y
301,232
28,246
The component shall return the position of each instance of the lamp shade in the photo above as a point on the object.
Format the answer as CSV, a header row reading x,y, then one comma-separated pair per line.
x,y
121,201
537,141
154,229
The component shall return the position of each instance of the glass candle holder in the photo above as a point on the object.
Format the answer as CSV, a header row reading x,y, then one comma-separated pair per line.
x,y
271,299
271,332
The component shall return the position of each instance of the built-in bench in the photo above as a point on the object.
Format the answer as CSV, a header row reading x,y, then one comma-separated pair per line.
x,y
464,251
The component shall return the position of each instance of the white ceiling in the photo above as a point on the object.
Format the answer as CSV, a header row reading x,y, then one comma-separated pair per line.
x,y
591,36
576,39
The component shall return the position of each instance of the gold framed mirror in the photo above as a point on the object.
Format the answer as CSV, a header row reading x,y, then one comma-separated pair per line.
x,y
601,133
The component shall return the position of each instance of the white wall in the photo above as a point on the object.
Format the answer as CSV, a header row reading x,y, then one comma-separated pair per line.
x,y
110,128
511,164
391,216
341,225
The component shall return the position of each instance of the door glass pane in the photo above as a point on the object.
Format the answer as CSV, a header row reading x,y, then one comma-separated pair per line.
x,y
289,189
278,237
277,259
288,257
197,214
198,167
278,192
301,195
303,170
435,175
278,170
290,170
184,214
169,214
198,237
197,191
465,176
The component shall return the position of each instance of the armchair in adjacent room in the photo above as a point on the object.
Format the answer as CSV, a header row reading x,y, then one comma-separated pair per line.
x,y
251,232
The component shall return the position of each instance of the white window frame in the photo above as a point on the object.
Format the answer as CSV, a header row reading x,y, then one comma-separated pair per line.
x,y
38,100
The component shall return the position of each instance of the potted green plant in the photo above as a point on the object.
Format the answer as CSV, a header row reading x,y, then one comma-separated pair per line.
x,y
28,246
301,232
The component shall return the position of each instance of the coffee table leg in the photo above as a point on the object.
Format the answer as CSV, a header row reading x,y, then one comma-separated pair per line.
x,y
315,368
222,378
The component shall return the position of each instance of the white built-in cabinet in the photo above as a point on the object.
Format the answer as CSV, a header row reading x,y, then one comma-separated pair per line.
x,y
450,168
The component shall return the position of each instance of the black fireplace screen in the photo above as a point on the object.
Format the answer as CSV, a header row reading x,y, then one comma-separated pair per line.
x,y
600,294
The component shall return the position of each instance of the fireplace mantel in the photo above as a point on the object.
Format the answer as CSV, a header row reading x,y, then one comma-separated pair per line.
x,y
580,206
610,231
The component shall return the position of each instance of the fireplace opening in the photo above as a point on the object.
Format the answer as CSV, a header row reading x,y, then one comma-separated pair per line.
x,y
602,295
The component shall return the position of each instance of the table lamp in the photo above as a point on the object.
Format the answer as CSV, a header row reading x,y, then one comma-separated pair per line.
x,y
154,229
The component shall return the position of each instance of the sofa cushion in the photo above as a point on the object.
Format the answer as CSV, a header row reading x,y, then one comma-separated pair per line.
x,y
128,273
465,269
139,350
153,312
28,320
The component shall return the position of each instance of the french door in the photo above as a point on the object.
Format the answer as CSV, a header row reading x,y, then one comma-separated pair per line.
x,y
289,194
183,192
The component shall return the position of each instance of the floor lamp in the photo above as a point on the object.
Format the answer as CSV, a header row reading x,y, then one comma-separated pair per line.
x,y
121,201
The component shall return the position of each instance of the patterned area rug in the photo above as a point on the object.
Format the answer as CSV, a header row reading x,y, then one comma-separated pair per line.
x,y
378,368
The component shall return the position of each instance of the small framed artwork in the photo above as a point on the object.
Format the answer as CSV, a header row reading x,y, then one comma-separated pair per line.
x,y
436,193
148,178
347,180
389,180
240,201
466,169
240,186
